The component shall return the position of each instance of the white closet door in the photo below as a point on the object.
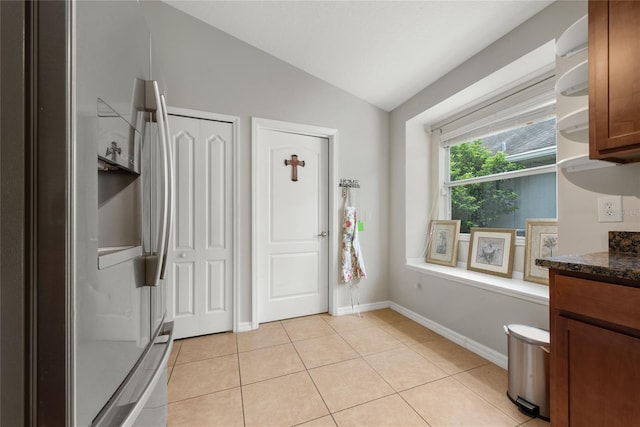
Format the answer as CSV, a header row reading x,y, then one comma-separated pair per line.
x,y
200,261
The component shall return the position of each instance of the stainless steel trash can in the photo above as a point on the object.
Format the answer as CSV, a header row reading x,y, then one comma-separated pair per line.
x,y
529,369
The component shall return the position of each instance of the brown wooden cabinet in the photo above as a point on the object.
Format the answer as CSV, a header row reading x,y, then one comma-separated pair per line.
x,y
595,351
614,80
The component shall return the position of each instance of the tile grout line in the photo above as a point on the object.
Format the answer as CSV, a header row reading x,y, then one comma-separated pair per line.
x,y
396,391
453,377
314,385
404,346
322,398
173,366
202,395
244,420
412,408
411,345
360,356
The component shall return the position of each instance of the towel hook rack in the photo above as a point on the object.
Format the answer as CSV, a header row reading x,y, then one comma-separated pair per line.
x,y
348,183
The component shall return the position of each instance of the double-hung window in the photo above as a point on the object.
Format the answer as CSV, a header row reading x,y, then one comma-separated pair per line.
x,y
500,159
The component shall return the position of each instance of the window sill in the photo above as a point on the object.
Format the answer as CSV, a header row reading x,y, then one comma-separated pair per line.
x,y
517,288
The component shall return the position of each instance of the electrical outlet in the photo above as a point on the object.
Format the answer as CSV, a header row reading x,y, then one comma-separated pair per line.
x,y
610,209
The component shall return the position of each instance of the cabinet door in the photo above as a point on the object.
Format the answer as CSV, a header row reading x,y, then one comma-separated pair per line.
x,y
597,376
614,88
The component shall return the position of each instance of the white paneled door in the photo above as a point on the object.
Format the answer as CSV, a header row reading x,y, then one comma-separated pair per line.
x,y
292,227
200,260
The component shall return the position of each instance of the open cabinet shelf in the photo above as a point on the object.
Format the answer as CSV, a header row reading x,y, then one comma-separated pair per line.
x,y
574,39
575,82
582,163
574,121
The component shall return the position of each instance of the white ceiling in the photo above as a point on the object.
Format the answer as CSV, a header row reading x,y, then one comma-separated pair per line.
x,y
381,51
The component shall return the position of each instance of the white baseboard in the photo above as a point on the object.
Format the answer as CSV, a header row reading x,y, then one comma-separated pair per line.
x,y
245,326
479,349
471,345
363,307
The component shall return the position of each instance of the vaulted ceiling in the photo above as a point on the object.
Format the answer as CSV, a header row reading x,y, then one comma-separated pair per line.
x,y
383,52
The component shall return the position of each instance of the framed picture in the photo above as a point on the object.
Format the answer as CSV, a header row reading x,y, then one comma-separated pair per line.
x,y
491,251
541,241
443,242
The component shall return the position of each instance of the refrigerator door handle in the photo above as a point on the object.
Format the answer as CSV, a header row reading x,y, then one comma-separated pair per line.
x,y
154,261
169,184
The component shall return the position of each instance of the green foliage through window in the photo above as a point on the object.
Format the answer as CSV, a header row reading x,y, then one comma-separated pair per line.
x,y
479,204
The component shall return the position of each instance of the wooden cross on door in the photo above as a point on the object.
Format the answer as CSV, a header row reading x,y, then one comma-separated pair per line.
x,y
294,163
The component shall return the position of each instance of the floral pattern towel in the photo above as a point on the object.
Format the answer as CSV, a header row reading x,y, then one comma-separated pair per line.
x,y
352,262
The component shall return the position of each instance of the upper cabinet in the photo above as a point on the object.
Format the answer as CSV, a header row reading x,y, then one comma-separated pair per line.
x,y
614,80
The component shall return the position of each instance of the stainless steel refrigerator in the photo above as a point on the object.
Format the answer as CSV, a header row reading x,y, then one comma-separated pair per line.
x,y
94,196
122,215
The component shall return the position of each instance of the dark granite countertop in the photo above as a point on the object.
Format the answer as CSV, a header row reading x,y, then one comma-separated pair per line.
x,y
621,262
613,265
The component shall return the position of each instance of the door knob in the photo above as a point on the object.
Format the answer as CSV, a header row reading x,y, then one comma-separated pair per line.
x,y
323,234
183,255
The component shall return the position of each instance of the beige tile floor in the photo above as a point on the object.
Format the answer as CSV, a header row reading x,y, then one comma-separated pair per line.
x,y
380,369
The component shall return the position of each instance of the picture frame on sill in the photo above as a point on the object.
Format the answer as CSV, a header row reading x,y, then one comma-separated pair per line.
x,y
442,247
491,251
541,241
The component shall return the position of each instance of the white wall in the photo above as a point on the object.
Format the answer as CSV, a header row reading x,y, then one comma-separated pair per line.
x,y
474,313
208,70
578,228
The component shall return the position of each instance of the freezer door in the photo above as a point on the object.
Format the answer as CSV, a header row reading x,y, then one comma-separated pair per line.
x,y
111,337
142,398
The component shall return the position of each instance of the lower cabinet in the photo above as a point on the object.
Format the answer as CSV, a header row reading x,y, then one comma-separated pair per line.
x,y
595,352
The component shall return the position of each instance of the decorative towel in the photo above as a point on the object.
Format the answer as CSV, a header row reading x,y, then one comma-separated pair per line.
x,y
352,262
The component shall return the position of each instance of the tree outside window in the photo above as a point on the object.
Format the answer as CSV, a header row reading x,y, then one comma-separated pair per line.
x,y
480,204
